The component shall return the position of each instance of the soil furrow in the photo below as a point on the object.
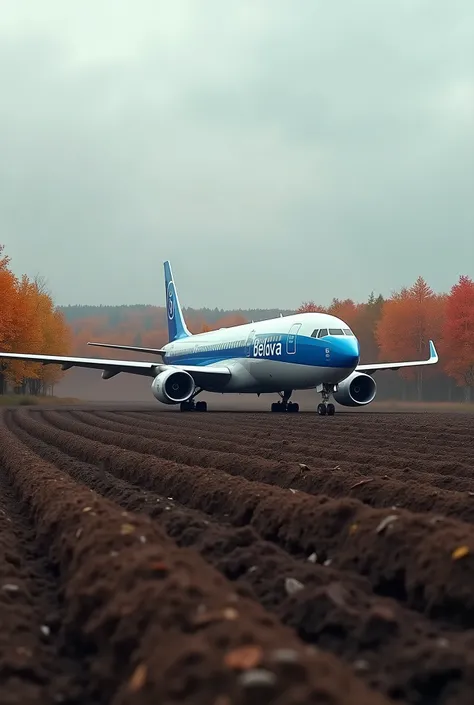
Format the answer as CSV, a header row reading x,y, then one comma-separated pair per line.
x,y
406,556
155,622
149,547
33,664
355,427
379,493
406,449
333,452
333,609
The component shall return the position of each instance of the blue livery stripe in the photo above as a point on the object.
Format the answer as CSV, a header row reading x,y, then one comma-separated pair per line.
x,y
332,351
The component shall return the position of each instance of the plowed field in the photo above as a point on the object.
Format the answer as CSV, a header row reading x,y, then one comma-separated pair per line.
x,y
220,559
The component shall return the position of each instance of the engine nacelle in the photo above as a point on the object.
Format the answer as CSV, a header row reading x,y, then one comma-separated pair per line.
x,y
173,386
358,389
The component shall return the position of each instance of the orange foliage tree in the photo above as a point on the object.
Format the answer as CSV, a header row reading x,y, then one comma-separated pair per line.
x,y
409,320
29,322
310,307
458,335
346,310
8,300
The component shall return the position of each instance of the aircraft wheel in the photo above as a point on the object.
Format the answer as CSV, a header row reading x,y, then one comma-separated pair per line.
x,y
201,406
322,409
275,407
331,409
293,408
186,406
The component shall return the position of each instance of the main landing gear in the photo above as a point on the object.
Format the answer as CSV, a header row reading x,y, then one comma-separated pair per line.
x,y
326,407
285,405
191,405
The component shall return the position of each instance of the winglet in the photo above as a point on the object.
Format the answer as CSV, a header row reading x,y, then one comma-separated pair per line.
x,y
176,324
433,353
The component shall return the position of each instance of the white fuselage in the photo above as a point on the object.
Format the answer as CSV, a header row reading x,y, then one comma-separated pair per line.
x,y
300,351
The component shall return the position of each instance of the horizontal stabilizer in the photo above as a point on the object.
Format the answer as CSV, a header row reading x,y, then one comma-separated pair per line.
x,y
135,348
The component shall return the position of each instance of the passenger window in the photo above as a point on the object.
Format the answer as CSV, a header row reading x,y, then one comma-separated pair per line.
x,y
335,331
322,332
314,334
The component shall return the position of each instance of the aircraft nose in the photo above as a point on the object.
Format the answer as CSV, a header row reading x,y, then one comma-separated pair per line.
x,y
351,351
347,351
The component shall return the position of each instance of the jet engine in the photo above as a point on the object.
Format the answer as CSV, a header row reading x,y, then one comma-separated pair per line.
x,y
173,386
358,389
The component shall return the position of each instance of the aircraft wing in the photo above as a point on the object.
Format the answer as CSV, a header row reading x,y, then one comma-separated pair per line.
x,y
114,367
369,369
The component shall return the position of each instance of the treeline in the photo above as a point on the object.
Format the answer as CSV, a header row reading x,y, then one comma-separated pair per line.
x,y
389,329
123,314
29,322
400,327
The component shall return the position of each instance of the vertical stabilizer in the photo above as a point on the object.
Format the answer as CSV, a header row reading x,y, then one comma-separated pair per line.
x,y
176,326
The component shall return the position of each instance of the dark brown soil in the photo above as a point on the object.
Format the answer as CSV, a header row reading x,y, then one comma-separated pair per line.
x,y
236,558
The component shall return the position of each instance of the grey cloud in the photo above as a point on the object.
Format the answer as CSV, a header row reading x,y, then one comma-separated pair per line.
x,y
274,155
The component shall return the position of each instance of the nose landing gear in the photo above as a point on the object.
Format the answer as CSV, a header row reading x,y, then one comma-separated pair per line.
x,y
326,407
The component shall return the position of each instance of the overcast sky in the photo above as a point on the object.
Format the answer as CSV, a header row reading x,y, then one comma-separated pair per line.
x,y
275,151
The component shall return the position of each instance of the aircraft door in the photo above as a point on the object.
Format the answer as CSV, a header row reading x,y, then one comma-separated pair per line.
x,y
291,340
249,343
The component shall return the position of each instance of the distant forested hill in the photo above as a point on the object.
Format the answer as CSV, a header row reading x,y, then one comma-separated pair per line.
x,y
118,314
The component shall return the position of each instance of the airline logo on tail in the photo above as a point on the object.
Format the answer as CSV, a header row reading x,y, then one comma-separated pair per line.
x,y
176,324
170,301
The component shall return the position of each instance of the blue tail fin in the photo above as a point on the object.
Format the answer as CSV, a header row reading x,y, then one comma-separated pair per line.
x,y
176,326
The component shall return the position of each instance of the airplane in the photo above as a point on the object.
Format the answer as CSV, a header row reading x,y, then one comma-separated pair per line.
x,y
274,356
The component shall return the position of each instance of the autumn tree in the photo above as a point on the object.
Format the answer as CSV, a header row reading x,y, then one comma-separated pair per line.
x,y
8,301
410,318
7,298
346,310
26,333
55,340
458,335
368,316
30,323
310,307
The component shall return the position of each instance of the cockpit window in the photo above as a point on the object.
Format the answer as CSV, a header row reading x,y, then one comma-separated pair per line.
x,y
314,334
322,332
348,331
335,331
